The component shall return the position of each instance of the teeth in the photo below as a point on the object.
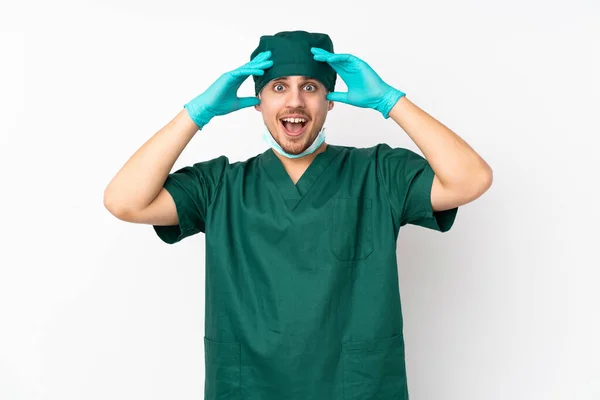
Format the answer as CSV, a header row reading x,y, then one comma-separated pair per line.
x,y
294,120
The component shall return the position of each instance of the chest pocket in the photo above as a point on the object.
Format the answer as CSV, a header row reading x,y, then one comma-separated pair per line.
x,y
351,233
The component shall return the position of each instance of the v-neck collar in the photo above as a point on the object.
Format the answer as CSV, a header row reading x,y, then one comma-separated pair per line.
x,y
274,168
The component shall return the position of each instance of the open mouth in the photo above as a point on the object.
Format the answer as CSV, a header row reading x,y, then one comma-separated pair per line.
x,y
293,128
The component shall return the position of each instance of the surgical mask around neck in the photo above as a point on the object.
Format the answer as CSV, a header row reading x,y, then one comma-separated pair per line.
x,y
314,146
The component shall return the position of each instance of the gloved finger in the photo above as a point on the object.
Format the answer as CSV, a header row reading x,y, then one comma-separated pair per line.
x,y
334,58
318,50
340,67
340,58
248,102
246,72
342,97
263,64
260,61
321,57
331,56
257,64
261,56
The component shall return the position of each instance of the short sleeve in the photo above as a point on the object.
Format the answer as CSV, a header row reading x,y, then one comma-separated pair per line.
x,y
408,178
193,189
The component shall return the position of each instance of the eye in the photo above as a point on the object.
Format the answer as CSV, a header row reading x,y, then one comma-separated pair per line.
x,y
310,85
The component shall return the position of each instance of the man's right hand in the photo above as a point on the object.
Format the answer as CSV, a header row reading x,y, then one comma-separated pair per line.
x,y
221,97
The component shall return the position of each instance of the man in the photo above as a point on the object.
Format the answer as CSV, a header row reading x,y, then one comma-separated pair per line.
x,y
302,297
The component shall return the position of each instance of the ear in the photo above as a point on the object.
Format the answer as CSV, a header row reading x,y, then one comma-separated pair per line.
x,y
331,103
257,107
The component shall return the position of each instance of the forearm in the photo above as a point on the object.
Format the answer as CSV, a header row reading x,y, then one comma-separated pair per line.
x,y
454,162
142,177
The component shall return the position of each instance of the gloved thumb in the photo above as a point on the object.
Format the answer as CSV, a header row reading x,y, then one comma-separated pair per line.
x,y
342,97
248,102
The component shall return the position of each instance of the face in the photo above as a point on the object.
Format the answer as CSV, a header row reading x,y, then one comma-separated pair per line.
x,y
297,96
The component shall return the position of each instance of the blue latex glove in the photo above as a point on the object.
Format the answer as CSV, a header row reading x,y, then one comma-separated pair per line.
x,y
365,88
221,97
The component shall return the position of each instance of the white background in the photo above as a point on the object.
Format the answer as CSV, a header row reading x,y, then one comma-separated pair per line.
x,y
504,306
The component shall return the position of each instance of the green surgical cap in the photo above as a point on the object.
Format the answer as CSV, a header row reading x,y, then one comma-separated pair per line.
x,y
291,55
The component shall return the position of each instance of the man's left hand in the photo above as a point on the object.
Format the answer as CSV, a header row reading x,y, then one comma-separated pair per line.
x,y
365,88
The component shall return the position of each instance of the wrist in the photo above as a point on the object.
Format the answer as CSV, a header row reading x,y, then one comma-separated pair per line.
x,y
389,100
198,113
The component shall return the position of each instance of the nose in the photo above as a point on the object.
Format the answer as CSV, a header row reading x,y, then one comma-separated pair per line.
x,y
295,98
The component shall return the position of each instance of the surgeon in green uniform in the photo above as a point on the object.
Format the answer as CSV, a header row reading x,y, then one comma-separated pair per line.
x,y
302,296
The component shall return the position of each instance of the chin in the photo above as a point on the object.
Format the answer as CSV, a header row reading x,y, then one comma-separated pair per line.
x,y
294,146
294,149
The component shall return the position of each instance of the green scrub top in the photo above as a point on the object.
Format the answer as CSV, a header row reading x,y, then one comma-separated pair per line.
x,y
302,297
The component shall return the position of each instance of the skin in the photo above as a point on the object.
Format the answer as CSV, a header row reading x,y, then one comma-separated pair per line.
x,y
295,95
